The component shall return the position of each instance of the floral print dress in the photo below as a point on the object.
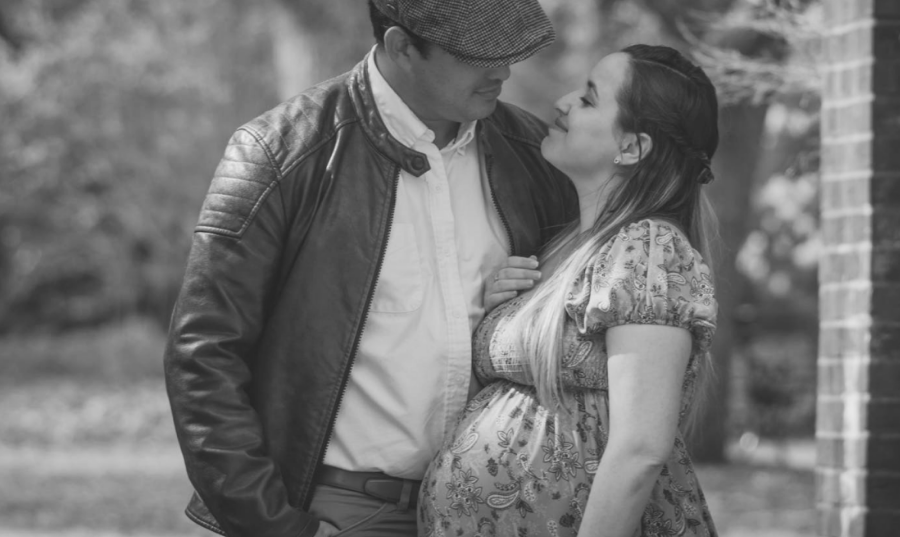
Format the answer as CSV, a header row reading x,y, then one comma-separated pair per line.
x,y
513,468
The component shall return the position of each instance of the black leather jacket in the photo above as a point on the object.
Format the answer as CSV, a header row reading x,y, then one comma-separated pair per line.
x,y
279,281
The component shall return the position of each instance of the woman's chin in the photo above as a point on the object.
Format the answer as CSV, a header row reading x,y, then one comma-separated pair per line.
x,y
547,150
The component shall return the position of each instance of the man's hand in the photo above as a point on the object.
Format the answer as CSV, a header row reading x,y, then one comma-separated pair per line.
x,y
326,530
518,274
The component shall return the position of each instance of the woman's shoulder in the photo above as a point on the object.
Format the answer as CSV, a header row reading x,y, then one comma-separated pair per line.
x,y
644,236
651,227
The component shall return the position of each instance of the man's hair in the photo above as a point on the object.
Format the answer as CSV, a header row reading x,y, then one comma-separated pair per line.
x,y
381,23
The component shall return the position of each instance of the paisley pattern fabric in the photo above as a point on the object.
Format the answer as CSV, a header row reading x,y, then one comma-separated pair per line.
x,y
513,468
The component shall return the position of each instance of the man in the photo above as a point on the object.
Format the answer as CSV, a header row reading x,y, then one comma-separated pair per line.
x,y
320,346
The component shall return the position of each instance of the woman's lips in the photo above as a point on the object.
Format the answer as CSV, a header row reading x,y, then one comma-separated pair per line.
x,y
561,124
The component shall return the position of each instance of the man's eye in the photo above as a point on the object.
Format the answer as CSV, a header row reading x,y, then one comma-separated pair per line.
x,y
585,102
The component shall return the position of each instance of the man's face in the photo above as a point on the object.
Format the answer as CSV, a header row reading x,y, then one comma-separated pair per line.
x,y
446,89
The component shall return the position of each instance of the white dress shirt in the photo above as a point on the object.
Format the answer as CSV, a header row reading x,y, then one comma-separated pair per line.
x,y
410,378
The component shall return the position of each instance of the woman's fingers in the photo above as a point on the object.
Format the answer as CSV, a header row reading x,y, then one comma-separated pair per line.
x,y
520,273
504,285
522,262
508,273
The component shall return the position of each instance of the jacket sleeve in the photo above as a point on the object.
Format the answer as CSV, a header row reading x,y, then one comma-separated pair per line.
x,y
219,315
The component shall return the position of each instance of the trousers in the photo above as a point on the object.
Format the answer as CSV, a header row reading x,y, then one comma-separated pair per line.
x,y
360,515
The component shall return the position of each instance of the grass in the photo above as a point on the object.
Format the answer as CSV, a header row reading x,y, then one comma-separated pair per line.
x,y
87,447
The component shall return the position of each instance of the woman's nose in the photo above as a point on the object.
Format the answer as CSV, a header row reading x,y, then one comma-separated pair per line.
x,y
564,104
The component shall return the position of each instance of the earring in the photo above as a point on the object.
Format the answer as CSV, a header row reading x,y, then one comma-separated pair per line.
x,y
616,160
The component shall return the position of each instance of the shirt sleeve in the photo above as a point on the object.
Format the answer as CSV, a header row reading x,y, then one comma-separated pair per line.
x,y
647,274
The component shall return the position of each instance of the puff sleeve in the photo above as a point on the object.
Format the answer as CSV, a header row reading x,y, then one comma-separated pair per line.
x,y
647,274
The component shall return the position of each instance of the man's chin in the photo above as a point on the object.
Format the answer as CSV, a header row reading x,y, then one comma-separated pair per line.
x,y
485,109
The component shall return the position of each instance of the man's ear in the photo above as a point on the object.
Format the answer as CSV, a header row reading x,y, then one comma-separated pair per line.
x,y
399,47
633,147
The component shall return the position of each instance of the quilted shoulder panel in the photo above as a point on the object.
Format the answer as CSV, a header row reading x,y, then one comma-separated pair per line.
x,y
265,150
242,182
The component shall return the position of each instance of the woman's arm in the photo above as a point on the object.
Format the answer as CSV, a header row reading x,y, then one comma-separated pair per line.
x,y
647,364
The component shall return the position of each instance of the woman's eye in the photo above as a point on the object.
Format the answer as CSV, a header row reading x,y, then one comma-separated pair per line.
x,y
585,102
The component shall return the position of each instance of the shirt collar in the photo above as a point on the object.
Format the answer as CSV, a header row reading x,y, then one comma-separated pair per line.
x,y
401,122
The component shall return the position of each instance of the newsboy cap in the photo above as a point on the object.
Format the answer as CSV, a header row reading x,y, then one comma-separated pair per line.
x,y
483,33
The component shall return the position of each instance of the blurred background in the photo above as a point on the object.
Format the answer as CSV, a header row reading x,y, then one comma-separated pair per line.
x,y
114,115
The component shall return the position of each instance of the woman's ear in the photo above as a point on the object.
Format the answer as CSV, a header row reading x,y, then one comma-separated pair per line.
x,y
634,147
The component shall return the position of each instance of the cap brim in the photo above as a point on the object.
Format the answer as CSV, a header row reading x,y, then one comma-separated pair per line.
x,y
502,61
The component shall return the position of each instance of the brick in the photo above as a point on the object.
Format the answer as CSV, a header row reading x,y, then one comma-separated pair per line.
x,y
829,416
885,150
886,78
885,380
847,229
839,521
842,453
886,119
886,41
883,416
841,341
886,9
884,343
829,455
850,375
837,267
848,193
853,523
884,189
886,302
885,229
850,118
842,302
828,522
882,453
882,523
830,379
851,44
885,265
847,157
883,491
828,487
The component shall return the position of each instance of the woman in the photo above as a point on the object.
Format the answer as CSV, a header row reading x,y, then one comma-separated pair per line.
x,y
590,375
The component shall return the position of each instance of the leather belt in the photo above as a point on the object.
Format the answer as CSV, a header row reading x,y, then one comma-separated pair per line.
x,y
403,492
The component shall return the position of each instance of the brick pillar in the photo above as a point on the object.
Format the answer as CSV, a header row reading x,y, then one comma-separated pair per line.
x,y
858,414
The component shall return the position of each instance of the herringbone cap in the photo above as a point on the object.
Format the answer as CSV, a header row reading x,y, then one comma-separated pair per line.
x,y
484,33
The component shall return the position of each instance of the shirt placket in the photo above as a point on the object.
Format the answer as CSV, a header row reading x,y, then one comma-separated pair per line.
x,y
459,346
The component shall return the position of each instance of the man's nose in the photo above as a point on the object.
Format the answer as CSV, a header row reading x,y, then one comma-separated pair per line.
x,y
500,73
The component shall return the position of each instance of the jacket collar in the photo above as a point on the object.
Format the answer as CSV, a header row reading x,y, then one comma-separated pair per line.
x,y
504,167
412,161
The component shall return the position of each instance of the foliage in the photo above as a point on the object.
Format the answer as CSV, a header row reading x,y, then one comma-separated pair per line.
x,y
109,146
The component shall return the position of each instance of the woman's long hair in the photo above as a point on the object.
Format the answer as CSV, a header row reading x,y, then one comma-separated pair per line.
x,y
673,101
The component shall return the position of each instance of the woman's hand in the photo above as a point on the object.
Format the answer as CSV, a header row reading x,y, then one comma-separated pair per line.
x,y
519,273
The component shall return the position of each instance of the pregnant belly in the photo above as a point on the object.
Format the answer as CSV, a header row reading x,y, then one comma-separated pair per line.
x,y
515,458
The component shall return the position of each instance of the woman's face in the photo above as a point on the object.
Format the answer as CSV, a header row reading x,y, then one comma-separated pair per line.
x,y
584,140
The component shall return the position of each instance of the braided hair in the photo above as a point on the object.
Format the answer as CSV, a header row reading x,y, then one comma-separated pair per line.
x,y
696,142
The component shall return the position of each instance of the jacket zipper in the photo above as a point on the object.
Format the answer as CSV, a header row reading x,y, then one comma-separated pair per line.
x,y
355,348
489,163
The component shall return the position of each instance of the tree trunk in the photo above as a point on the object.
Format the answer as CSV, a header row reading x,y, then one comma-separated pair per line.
x,y
313,40
735,165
